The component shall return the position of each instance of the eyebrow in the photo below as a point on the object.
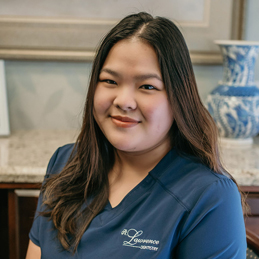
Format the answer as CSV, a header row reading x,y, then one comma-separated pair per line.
x,y
138,77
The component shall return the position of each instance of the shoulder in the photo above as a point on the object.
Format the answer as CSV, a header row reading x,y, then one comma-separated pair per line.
x,y
188,180
211,209
59,159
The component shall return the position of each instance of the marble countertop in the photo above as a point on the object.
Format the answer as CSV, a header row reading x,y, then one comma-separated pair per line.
x,y
25,154
243,164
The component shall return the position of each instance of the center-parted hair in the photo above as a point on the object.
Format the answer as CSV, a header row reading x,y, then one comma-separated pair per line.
x,y
84,179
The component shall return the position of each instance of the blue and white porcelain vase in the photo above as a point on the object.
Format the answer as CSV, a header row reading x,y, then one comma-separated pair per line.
x,y
234,103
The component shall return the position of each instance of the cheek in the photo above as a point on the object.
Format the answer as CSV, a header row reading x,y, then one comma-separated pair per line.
x,y
159,113
161,118
149,109
166,114
101,102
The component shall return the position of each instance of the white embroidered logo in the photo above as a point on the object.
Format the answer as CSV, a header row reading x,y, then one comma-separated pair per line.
x,y
138,243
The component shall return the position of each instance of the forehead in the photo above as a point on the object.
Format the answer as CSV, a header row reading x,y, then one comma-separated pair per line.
x,y
133,54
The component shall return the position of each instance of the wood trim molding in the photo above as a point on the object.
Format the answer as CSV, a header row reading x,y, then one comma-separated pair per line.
x,y
239,19
20,185
48,55
250,189
26,38
208,58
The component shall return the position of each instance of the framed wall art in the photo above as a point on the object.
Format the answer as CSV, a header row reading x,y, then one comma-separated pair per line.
x,y
4,120
70,30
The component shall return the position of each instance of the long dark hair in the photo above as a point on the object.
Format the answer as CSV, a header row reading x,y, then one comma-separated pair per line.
x,y
84,179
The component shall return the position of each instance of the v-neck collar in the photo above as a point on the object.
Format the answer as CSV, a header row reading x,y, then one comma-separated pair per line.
x,y
139,192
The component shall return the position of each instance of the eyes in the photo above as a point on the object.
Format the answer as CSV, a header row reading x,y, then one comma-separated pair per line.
x,y
148,87
108,81
145,86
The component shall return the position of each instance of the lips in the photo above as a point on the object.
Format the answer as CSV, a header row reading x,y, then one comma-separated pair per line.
x,y
124,119
124,122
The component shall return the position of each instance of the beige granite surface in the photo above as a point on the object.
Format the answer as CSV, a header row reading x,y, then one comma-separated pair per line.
x,y
25,154
243,164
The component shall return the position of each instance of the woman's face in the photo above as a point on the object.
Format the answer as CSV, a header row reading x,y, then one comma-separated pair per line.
x,y
130,102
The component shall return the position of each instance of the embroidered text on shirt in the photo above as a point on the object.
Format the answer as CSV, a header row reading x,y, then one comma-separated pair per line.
x,y
138,243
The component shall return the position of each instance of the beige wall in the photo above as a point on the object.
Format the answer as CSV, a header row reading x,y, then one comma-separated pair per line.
x,y
46,95
50,95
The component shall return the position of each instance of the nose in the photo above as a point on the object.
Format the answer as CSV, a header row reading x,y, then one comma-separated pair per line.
x,y
125,99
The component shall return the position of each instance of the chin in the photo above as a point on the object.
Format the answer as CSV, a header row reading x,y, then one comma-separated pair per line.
x,y
125,148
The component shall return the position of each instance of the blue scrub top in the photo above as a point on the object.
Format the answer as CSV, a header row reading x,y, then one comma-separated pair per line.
x,y
181,209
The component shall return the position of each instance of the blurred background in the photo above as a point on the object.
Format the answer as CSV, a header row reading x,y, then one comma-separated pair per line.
x,y
47,48
49,93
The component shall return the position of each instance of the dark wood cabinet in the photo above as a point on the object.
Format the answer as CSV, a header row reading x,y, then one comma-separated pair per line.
x,y
16,217
17,212
4,223
252,220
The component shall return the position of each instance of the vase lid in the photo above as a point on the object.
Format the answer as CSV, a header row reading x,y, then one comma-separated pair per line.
x,y
237,42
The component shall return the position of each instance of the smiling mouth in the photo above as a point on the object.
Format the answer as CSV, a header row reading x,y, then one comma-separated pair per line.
x,y
124,122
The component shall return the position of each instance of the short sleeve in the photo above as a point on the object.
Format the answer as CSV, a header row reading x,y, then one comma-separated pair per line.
x,y
215,226
34,232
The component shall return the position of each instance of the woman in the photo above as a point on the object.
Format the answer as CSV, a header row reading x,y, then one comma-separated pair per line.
x,y
144,179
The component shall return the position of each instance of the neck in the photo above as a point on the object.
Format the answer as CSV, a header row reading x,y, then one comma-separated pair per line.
x,y
137,164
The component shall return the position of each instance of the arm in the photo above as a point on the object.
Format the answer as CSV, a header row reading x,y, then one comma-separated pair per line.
x,y
215,226
33,251
34,248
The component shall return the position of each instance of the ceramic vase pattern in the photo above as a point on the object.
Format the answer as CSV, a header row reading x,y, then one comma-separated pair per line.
x,y
234,103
